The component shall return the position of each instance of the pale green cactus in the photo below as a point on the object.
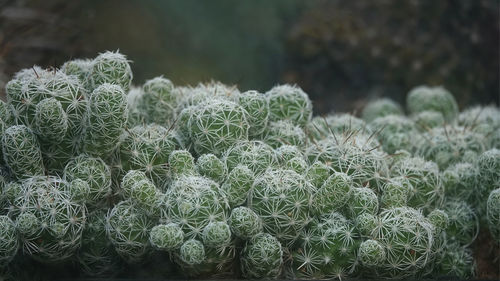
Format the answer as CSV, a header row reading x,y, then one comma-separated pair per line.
x,y
256,155
256,105
318,173
21,152
424,98
379,108
216,235
237,185
333,194
289,103
284,132
158,101
106,117
493,213
110,67
166,237
8,241
216,125
245,223
371,253
427,120
463,226
51,121
210,166
78,67
192,252
262,257
93,171
282,198
362,200
180,162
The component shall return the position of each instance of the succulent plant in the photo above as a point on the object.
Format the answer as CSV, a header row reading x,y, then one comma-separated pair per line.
x,y
216,125
158,101
282,198
371,253
50,225
192,252
284,132
166,237
379,108
216,234
262,257
463,226
110,67
8,240
333,194
257,107
210,166
237,185
256,155
456,261
21,152
106,117
424,98
289,103
245,223
493,213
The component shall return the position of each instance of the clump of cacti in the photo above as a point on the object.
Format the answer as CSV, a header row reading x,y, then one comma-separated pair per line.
x,y
224,183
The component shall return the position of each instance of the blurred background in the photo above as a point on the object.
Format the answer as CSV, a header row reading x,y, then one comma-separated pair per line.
x,y
342,53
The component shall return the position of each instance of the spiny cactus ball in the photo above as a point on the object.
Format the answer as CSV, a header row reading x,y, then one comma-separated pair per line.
x,y
284,132
245,223
262,257
438,99
256,105
289,103
216,125
210,166
216,235
256,155
333,194
379,108
166,237
8,240
493,213
237,185
192,252
110,67
371,253
158,101
51,121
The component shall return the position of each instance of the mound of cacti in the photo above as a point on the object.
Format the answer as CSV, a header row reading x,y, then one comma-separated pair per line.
x,y
208,181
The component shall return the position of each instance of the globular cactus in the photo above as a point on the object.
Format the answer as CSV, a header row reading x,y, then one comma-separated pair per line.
x,y
256,155
262,257
140,190
457,261
493,213
395,192
216,125
289,103
8,240
488,164
110,68
237,185
334,125
463,226
147,148
93,171
51,121
379,108
333,194
425,186
128,228
106,117
371,253
180,162
368,225
424,98
394,132
318,173
362,200
257,107
193,202
282,198
286,152
78,67
21,152
407,237
245,223
460,181
297,164
96,256
216,235
427,120
166,237
158,101
192,252
50,224
327,249
284,132
210,166
483,120
450,145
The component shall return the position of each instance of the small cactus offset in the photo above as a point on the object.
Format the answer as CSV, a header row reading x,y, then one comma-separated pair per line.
x,y
166,181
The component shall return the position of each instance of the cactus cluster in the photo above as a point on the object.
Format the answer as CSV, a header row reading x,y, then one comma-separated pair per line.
x,y
208,181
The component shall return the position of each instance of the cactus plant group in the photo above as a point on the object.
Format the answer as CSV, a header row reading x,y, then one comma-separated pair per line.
x,y
106,175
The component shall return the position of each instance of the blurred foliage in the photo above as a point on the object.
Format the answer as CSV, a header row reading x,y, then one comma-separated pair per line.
x,y
342,52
